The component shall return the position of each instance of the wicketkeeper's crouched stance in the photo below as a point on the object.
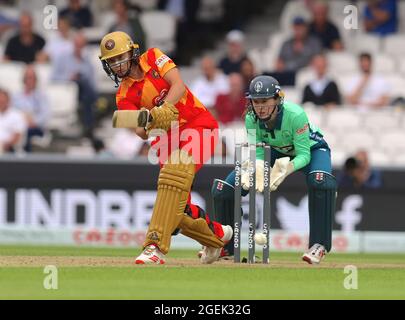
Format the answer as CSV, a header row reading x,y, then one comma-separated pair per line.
x,y
152,95
296,145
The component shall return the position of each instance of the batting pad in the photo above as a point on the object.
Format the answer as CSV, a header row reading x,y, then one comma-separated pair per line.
x,y
199,230
130,119
174,185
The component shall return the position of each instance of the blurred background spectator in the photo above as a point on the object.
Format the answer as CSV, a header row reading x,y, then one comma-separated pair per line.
x,y
321,91
322,28
236,54
127,20
79,15
60,43
12,125
76,66
210,84
367,90
248,73
26,44
297,52
230,107
381,17
358,174
100,149
242,37
34,103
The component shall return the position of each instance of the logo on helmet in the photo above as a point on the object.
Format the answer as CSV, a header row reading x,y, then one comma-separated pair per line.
x,y
258,86
110,44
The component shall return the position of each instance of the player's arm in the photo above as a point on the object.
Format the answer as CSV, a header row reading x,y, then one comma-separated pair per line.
x,y
177,87
283,167
301,141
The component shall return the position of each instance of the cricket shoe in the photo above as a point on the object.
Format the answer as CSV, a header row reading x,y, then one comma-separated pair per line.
x,y
209,254
315,254
151,255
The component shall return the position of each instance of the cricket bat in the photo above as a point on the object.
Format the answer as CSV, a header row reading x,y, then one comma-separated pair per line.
x,y
131,119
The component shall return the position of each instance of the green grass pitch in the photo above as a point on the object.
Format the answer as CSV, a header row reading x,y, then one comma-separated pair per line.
x,y
97,273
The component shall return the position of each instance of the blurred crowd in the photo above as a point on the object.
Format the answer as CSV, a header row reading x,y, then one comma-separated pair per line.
x,y
221,84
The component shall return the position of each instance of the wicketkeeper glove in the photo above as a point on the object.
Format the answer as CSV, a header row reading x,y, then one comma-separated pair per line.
x,y
281,169
259,175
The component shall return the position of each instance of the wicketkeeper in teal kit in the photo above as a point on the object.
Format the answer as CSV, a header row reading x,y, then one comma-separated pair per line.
x,y
296,145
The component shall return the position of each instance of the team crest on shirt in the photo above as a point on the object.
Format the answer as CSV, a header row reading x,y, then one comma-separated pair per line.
x,y
155,74
157,101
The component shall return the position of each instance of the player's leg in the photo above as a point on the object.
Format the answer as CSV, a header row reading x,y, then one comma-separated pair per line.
x,y
174,184
321,204
197,224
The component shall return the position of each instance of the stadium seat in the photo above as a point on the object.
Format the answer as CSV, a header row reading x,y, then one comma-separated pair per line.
x,y
276,41
43,71
379,158
269,59
304,77
256,56
364,42
292,94
315,116
402,66
162,37
396,84
64,104
392,141
210,10
384,64
358,139
145,4
394,45
330,136
12,82
398,160
342,62
339,157
381,120
341,120
107,19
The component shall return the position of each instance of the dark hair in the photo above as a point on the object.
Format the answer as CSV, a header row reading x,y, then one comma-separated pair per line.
x,y
351,164
365,55
98,144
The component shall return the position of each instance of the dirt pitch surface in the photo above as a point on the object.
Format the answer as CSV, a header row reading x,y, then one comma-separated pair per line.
x,y
66,261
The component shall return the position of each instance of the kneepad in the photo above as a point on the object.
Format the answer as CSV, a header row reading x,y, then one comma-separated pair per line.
x,y
322,189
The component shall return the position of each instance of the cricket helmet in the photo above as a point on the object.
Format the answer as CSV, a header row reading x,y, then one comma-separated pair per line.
x,y
115,44
263,87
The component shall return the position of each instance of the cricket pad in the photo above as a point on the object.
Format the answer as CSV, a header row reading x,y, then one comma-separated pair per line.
x,y
199,230
174,185
321,202
223,203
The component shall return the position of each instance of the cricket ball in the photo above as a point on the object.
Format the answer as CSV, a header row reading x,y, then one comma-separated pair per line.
x,y
260,239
